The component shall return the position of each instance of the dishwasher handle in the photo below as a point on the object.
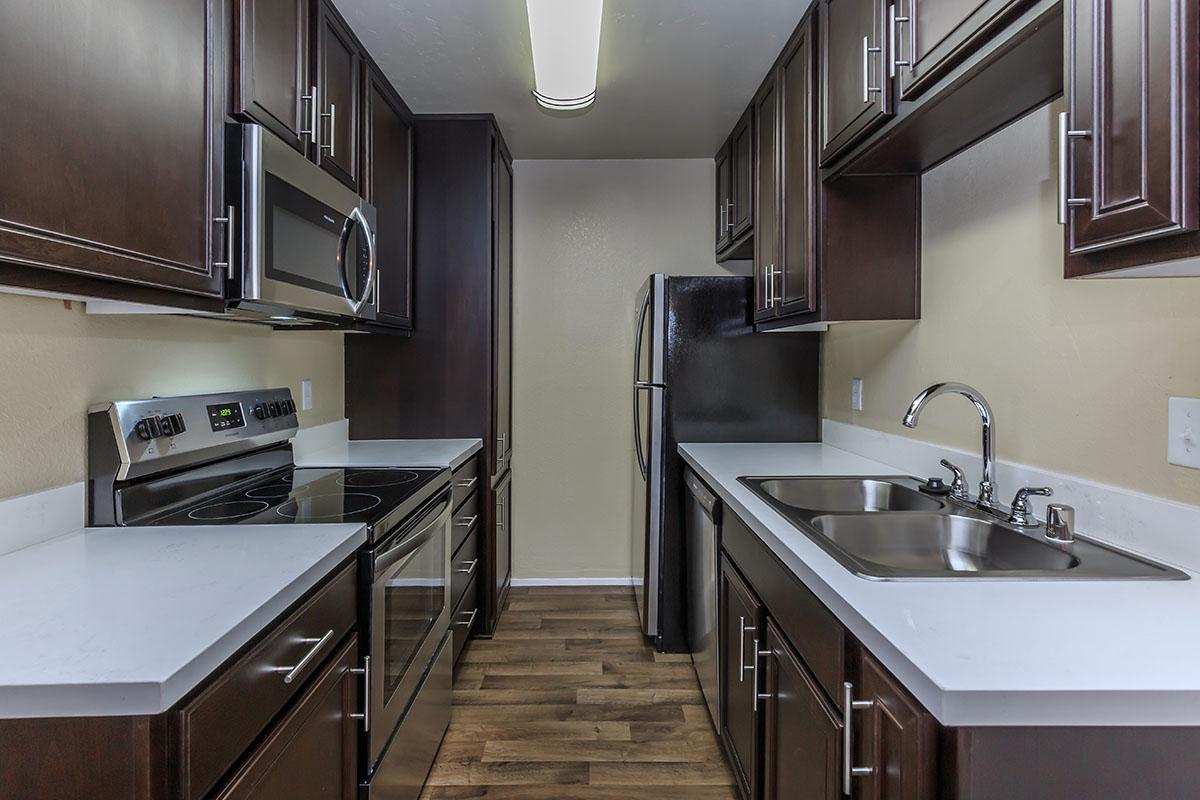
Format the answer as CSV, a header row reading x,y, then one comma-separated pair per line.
x,y
702,495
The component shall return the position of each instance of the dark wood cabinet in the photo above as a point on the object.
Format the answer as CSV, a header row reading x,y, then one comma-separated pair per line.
x,y
856,92
312,753
724,165
798,213
338,81
387,152
501,555
112,148
271,74
735,190
766,200
503,283
741,631
1130,137
802,731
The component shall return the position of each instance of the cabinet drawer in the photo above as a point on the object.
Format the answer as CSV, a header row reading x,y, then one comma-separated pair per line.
x,y
312,753
465,619
465,480
811,628
464,565
466,522
217,726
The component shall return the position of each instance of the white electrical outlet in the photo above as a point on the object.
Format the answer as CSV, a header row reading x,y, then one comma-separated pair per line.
x,y
306,394
856,394
1183,431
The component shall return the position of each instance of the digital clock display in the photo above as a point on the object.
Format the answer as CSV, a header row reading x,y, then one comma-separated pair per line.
x,y
226,416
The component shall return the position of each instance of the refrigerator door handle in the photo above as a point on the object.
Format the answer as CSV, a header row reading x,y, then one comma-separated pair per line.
x,y
637,427
637,347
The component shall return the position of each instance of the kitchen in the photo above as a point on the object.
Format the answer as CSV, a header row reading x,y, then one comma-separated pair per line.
x,y
783,401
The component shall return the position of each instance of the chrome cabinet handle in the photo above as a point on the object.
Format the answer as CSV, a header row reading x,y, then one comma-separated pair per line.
x,y
776,294
331,115
500,514
467,523
768,285
722,226
867,49
755,695
311,99
467,484
729,214
894,23
365,671
470,570
227,264
850,705
1065,136
470,620
742,652
294,671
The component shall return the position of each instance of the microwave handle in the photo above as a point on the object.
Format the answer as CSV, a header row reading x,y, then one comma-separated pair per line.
x,y
385,559
357,218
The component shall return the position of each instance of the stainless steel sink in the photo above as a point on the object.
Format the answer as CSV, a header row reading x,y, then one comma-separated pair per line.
x,y
844,494
885,528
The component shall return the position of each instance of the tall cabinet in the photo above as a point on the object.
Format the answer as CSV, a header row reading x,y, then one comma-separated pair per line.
x,y
453,377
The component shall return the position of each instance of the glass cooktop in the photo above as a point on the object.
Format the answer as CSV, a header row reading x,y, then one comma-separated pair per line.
x,y
310,494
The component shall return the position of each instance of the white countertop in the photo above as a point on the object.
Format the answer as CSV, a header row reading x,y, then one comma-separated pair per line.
x,y
987,652
450,453
116,621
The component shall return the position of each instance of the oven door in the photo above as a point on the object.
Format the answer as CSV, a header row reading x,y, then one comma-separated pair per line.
x,y
309,244
409,614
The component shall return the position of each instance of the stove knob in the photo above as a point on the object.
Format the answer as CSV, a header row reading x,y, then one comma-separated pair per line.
x,y
155,425
275,409
289,406
260,411
167,425
142,429
177,421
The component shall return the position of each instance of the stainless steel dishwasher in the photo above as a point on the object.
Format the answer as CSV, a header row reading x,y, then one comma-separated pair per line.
x,y
703,558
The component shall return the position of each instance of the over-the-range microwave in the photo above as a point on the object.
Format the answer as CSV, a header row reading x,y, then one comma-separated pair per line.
x,y
305,253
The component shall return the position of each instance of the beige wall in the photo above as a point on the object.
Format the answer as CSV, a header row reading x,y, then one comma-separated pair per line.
x,y
1078,372
587,235
56,361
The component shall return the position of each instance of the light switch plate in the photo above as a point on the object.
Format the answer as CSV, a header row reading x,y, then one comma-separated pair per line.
x,y
306,394
856,403
1183,431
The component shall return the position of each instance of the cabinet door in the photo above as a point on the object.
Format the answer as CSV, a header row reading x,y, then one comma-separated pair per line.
x,y
801,730
856,92
798,166
111,147
338,90
741,213
930,36
724,196
895,738
741,633
271,74
312,753
502,548
1131,91
387,184
766,201
503,311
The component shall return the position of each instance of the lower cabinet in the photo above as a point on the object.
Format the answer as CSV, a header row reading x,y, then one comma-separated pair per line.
x,y
741,633
312,754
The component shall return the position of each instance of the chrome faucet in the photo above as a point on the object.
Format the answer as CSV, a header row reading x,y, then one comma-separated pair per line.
x,y
987,486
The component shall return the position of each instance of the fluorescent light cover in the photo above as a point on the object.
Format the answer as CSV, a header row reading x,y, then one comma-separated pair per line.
x,y
566,48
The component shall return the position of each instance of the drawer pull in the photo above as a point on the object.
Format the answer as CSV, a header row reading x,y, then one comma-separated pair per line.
x,y
850,705
293,672
467,484
470,570
470,620
467,523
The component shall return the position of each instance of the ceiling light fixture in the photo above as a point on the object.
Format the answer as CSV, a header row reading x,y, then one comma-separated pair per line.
x,y
565,35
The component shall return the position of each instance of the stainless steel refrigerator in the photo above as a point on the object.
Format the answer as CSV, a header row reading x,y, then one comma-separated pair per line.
x,y
701,374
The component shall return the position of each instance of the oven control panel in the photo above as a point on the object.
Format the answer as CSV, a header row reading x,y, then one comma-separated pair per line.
x,y
168,432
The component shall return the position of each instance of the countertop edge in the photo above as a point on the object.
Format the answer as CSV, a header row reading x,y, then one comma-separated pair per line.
x,y
340,455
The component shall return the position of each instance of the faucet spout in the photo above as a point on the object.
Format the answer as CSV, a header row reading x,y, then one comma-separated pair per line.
x,y
987,486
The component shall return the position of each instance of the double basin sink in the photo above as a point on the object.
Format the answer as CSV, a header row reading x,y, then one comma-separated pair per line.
x,y
886,528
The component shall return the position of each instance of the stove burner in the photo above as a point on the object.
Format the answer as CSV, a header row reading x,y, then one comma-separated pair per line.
x,y
377,478
327,506
272,491
234,509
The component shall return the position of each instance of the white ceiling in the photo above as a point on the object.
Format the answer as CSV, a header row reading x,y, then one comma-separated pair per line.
x,y
674,74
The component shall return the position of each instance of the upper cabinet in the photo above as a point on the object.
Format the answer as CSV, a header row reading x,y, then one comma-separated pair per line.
x,y
735,191
338,84
855,86
1129,140
111,149
766,199
387,184
797,289
271,75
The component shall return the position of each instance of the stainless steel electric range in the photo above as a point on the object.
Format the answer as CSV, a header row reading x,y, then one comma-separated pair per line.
x,y
226,459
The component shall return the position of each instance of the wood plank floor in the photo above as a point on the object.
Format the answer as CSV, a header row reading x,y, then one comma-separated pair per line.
x,y
568,702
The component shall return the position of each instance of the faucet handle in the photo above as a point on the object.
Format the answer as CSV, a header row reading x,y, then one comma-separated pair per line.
x,y
1021,514
958,486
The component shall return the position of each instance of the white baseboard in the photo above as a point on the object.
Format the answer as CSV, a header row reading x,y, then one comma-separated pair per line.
x,y
572,581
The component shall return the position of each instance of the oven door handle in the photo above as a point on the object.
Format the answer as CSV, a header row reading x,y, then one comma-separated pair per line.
x,y
385,559
359,220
